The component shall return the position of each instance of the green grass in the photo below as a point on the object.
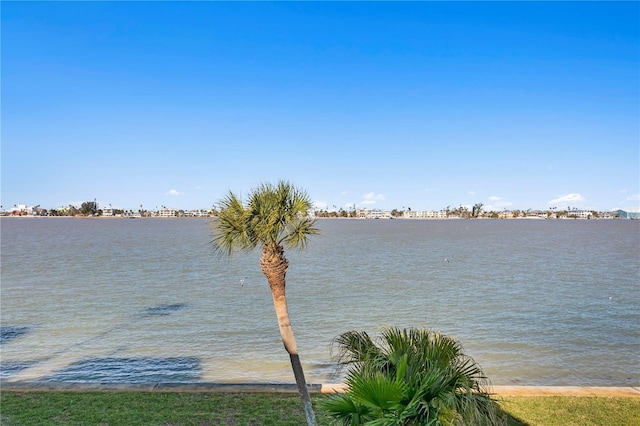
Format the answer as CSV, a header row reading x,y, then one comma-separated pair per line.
x,y
572,411
149,408
173,409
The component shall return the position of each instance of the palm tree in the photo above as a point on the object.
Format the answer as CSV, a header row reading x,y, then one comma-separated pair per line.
x,y
477,209
410,377
274,217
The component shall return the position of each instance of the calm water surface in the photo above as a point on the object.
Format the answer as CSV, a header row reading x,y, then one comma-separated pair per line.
x,y
534,302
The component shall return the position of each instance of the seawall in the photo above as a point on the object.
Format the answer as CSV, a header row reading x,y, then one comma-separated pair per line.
x,y
588,391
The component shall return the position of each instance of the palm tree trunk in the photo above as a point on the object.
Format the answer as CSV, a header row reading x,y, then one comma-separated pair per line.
x,y
274,266
286,332
302,388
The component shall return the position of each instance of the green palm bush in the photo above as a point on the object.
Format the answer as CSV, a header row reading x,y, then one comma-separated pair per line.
x,y
410,377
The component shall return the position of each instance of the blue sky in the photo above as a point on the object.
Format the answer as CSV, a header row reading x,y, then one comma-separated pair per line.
x,y
515,105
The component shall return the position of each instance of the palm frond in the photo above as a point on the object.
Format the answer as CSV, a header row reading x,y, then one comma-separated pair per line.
x,y
440,383
345,411
273,214
296,232
377,392
357,349
279,214
230,229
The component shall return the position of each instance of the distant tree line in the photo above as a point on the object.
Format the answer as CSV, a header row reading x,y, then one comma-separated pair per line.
x,y
340,213
90,208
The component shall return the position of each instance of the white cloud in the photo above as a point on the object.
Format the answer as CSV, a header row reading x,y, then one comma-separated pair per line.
x,y
344,192
174,192
496,203
472,193
631,203
494,207
320,205
569,198
372,198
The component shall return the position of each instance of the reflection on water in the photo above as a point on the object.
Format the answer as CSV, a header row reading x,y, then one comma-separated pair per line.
x,y
164,309
534,302
10,369
130,370
8,333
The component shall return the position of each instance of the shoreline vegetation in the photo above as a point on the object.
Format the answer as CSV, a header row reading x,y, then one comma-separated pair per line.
x,y
91,209
36,407
524,218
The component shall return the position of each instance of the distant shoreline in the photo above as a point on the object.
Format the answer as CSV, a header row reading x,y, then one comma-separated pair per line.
x,y
322,218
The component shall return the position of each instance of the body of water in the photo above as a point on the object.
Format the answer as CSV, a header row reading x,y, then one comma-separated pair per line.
x,y
535,302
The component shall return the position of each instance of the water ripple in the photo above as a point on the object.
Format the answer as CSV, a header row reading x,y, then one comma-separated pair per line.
x,y
130,370
8,333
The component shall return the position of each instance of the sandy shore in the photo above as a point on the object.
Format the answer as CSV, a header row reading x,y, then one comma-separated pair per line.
x,y
599,391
